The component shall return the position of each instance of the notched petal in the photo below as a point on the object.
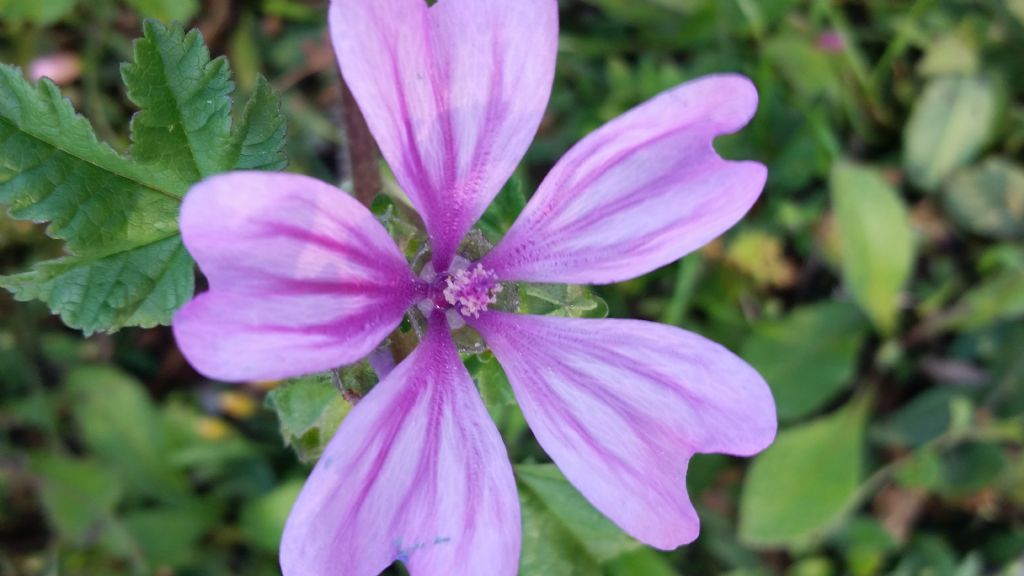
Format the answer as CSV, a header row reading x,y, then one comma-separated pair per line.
x,y
416,473
640,192
622,405
302,278
453,94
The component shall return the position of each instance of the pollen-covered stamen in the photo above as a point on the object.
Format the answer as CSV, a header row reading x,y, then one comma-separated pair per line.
x,y
471,290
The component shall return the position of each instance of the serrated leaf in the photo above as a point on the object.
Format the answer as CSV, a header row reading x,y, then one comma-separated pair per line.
x,y
107,209
877,245
185,121
259,139
809,357
952,121
562,532
806,481
140,286
988,199
118,215
53,169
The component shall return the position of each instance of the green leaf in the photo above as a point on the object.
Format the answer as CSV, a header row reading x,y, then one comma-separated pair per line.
x,y
504,210
988,200
40,12
118,215
953,53
263,519
643,561
185,121
309,411
169,536
79,496
866,545
562,532
876,241
809,357
927,554
995,299
921,420
497,395
1016,7
259,139
207,447
54,170
166,10
571,301
131,286
119,424
970,468
805,483
951,123
810,71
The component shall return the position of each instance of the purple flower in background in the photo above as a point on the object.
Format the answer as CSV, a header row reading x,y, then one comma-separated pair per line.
x,y
304,279
830,42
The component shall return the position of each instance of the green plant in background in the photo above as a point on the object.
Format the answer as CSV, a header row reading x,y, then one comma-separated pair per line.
x,y
877,287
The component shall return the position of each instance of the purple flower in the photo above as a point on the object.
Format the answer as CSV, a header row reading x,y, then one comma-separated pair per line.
x,y
830,42
304,279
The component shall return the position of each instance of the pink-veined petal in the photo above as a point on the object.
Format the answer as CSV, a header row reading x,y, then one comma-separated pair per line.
x,y
302,278
642,191
622,405
417,473
453,94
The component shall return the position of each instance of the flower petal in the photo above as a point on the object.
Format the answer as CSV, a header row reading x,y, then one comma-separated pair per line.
x,y
621,405
640,192
302,278
453,94
417,473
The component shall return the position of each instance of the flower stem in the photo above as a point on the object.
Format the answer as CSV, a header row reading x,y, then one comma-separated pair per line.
x,y
362,150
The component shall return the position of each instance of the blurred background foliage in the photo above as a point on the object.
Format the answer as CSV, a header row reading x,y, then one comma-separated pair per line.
x,y
878,286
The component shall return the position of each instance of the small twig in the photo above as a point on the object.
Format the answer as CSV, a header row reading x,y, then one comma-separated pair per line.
x,y
362,150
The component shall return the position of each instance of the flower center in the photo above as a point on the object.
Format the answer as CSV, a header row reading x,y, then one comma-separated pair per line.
x,y
471,290
465,290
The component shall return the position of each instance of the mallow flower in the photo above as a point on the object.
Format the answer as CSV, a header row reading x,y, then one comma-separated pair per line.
x,y
305,279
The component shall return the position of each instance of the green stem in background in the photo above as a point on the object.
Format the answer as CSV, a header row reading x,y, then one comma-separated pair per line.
x,y
898,45
752,13
1009,431
823,134
92,58
688,273
25,39
855,58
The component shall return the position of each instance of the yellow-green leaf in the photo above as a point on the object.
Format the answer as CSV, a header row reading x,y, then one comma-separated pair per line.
x,y
876,241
